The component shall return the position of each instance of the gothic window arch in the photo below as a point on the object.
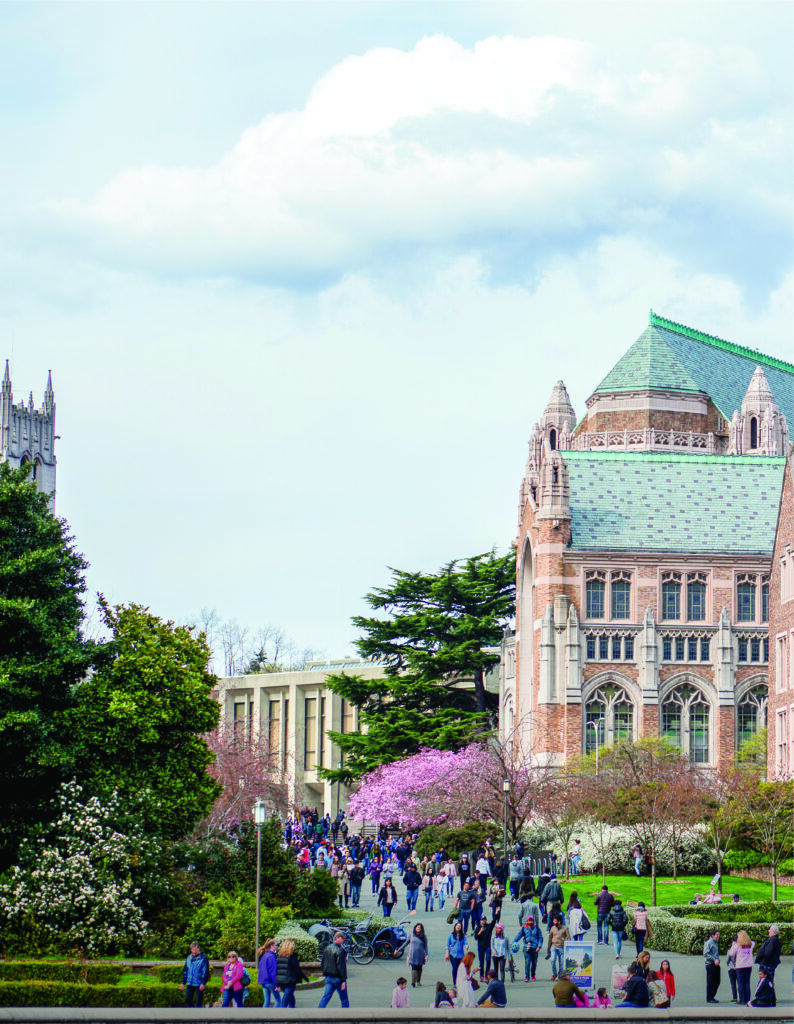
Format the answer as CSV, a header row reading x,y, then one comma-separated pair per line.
x,y
686,721
595,593
609,716
751,712
753,432
553,439
671,596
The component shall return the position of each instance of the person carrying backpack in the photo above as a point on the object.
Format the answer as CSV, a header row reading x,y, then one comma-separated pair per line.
x,y
617,919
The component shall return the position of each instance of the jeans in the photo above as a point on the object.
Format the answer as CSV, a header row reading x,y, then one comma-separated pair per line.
x,y
530,962
575,864
485,960
455,964
476,915
375,884
743,983
602,926
230,994
639,941
514,884
638,866
442,895
355,894
712,981
556,959
429,900
411,896
732,980
465,917
618,941
194,996
268,990
334,985
499,967
288,996
387,909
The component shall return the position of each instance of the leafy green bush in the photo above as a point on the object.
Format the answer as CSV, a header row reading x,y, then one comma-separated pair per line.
x,y
47,993
677,930
738,860
72,970
228,921
305,945
454,840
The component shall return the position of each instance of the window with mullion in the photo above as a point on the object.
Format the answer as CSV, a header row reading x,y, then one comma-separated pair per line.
x,y
671,600
696,601
621,599
595,590
745,601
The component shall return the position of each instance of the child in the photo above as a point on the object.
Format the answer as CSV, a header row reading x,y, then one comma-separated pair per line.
x,y
444,996
400,997
602,999
666,975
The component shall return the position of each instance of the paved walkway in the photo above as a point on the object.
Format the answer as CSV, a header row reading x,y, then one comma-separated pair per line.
x,y
372,985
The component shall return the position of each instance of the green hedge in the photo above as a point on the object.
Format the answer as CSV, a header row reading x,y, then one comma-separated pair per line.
x,y
305,945
676,929
171,974
70,970
53,993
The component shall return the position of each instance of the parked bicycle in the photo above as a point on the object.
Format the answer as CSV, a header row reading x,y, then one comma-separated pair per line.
x,y
356,943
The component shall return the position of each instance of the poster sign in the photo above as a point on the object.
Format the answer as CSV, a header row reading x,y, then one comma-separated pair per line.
x,y
577,957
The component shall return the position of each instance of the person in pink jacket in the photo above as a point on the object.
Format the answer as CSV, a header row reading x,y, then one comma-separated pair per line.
x,y
742,953
232,987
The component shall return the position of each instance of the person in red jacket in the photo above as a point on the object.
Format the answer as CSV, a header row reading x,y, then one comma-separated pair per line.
x,y
232,987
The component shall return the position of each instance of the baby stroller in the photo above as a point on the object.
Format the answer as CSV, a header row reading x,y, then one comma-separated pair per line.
x,y
390,943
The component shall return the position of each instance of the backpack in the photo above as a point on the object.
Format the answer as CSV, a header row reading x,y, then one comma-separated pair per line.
x,y
245,980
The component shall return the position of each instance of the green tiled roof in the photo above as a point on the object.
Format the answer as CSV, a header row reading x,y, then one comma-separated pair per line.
x,y
649,501
671,356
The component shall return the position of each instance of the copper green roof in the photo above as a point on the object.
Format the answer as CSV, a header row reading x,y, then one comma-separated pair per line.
x,y
654,501
669,356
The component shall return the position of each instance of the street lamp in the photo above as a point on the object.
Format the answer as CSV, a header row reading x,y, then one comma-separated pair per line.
x,y
260,817
505,790
595,724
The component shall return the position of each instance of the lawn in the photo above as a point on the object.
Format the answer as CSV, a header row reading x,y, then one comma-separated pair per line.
x,y
629,887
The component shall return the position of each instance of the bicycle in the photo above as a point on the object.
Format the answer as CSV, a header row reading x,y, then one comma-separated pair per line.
x,y
356,944
511,965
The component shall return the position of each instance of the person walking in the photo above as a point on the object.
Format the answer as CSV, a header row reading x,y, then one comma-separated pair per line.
x,y
356,876
711,956
429,883
575,915
742,949
499,950
267,972
637,855
604,902
558,936
232,986
412,880
334,968
387,896
515,874
416,957
465,903
442,879
617,919
464,979
289,973
483,936
532,938
457,945
196,974
641,927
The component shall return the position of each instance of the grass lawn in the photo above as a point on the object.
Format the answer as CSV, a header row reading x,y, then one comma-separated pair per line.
x,y
629,887
133,978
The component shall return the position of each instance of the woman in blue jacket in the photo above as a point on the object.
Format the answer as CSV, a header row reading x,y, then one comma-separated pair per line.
x,y
457,946
532,937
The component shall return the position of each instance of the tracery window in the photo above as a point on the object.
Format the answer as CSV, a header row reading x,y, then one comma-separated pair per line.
x,y
595,589
609,717
751,714
696,597
671,596
620,586
686,722
745,597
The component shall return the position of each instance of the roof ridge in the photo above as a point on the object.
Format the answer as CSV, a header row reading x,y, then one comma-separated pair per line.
x,y
644,456
654,320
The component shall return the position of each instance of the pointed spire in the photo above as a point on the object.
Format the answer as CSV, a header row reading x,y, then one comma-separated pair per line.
x,y
49,394
559,411
759,390
7,378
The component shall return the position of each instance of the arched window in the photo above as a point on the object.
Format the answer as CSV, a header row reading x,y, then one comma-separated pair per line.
x,y
671,596
764,599
696,597
552,439
751,714
620,585
595,588
753,432
745,598
685,722
608,716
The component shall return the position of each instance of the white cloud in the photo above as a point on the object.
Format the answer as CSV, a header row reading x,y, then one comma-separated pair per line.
x,y
540,143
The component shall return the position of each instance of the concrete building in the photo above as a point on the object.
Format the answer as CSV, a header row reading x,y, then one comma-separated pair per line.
x,y
27,434
644,552
293,712
780,737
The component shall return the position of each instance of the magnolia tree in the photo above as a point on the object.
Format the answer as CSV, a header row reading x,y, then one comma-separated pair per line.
x,y
449,787
72,888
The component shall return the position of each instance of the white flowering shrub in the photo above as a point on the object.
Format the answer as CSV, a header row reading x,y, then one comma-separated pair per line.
x,y
72,889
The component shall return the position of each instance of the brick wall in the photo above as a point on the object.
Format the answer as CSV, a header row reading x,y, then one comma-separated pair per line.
x,y
781,621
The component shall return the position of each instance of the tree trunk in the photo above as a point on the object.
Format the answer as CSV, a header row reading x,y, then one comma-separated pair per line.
x,y
720,866
653,882
774,881
675,862
479,688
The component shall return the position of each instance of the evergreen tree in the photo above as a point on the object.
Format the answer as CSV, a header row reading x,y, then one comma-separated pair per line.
x,y
434,630
42,653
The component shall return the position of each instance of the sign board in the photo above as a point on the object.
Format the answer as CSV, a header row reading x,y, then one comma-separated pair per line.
x,y
578,957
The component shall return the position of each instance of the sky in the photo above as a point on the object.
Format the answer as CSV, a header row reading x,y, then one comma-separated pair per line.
x,y
305,274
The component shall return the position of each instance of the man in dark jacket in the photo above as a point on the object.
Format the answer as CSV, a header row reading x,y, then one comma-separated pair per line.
x,y
768,953
412,880
334,966
356,881
195,976
636,989
495,994
604,902
552,892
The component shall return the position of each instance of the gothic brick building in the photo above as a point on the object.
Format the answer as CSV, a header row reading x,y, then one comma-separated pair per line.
x,y
644,552
780,750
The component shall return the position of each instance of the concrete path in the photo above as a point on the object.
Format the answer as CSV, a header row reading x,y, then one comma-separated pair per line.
x,y
372,985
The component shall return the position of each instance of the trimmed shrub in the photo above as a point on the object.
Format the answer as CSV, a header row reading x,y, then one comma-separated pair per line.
x,y
73,970
227,921
305,945
454,840
48,993
676,929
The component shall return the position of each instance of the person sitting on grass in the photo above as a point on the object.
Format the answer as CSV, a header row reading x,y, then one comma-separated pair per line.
x,y
564,991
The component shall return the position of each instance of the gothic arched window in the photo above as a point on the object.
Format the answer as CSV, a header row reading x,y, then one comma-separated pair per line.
x,y
671,596
595,589
685,722
745,598
751,714
608,716
552,439
753,432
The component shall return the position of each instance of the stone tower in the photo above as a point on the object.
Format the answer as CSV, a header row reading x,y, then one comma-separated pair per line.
x,y
27,434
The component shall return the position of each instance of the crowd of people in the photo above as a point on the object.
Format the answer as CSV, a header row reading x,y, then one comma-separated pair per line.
x,y
474,891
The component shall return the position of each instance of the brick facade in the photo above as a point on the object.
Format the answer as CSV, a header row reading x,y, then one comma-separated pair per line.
x,y
780,736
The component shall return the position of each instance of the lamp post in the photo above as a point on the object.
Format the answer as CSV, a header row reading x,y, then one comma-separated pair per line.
x,y
505,791
595,724
338,790
260,817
